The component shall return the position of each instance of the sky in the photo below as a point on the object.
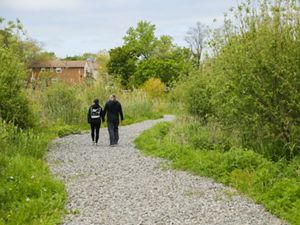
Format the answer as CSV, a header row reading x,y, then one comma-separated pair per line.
x,y
73,27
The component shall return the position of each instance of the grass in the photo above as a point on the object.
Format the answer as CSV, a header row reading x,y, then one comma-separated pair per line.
x,y
28,192
272,184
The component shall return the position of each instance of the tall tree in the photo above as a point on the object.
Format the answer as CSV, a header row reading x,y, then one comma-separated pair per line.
x,y
142,39
143,56
196,38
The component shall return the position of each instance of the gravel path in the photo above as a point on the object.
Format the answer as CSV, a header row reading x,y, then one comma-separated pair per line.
x,y
118,186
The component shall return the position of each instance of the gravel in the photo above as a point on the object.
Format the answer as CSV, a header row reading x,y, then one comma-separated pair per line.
x,y
119,185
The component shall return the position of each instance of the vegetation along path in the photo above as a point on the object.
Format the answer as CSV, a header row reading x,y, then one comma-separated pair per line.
x,y
118,185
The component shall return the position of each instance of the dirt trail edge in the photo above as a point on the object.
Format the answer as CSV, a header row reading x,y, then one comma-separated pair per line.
x,y
120,186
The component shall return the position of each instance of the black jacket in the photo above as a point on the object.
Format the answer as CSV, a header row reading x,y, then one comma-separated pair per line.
x,y
114,112
95,120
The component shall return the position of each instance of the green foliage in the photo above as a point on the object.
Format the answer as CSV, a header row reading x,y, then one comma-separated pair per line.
x,y
100,89
154,87
141,39
61,103
14,106
122,63
28,193
273,184
138,106
251,83
167,70
144,56
195,93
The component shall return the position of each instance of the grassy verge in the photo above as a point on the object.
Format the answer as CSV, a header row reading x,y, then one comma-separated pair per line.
x,y
29,195
275,185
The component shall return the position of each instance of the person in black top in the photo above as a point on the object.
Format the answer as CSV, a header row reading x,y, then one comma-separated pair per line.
x,y
95,114
114,112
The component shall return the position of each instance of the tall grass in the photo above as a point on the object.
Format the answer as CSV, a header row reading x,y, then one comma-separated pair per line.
x,y
63,104
138,106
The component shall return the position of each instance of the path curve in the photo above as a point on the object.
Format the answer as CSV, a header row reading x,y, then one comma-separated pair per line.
x,y
120,186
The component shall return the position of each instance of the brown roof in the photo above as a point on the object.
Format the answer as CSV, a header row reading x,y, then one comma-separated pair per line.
x,y
60,63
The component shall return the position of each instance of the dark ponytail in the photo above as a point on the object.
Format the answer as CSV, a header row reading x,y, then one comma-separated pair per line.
x,y
96,101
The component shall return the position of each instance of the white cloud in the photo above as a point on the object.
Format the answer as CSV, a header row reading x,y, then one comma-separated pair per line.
x,y
40,5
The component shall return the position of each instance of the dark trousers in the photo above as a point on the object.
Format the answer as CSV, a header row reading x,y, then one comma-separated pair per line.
x,y
113,131
95,128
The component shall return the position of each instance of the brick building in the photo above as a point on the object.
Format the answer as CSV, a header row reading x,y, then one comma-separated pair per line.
x,y
70,71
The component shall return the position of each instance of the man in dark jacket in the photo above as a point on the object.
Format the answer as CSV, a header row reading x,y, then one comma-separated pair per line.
x,y
113,109
95,114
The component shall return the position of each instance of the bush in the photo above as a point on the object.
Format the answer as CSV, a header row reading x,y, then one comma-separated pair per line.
x,y
154,87
256,88
14,106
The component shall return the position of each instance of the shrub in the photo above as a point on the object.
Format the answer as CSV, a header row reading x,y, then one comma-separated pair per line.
x,y
154,87
14,106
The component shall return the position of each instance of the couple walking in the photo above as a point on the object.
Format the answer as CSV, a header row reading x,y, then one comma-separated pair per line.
x,y
113,111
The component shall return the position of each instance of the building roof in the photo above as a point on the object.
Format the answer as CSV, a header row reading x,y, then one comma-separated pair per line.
x,y
63,64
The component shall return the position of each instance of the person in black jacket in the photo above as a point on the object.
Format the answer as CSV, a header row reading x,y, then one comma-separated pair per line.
x,y
114,112
95,114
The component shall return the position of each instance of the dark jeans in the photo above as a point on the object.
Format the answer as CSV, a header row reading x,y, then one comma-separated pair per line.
x,y
95,127
113,131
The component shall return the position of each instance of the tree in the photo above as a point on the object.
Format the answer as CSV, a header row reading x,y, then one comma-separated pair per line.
x,y
167,70
14,37
196,38
164,47
144,56
122,63
141,39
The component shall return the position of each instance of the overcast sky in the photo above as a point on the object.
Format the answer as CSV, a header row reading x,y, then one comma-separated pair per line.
x,y
71,27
